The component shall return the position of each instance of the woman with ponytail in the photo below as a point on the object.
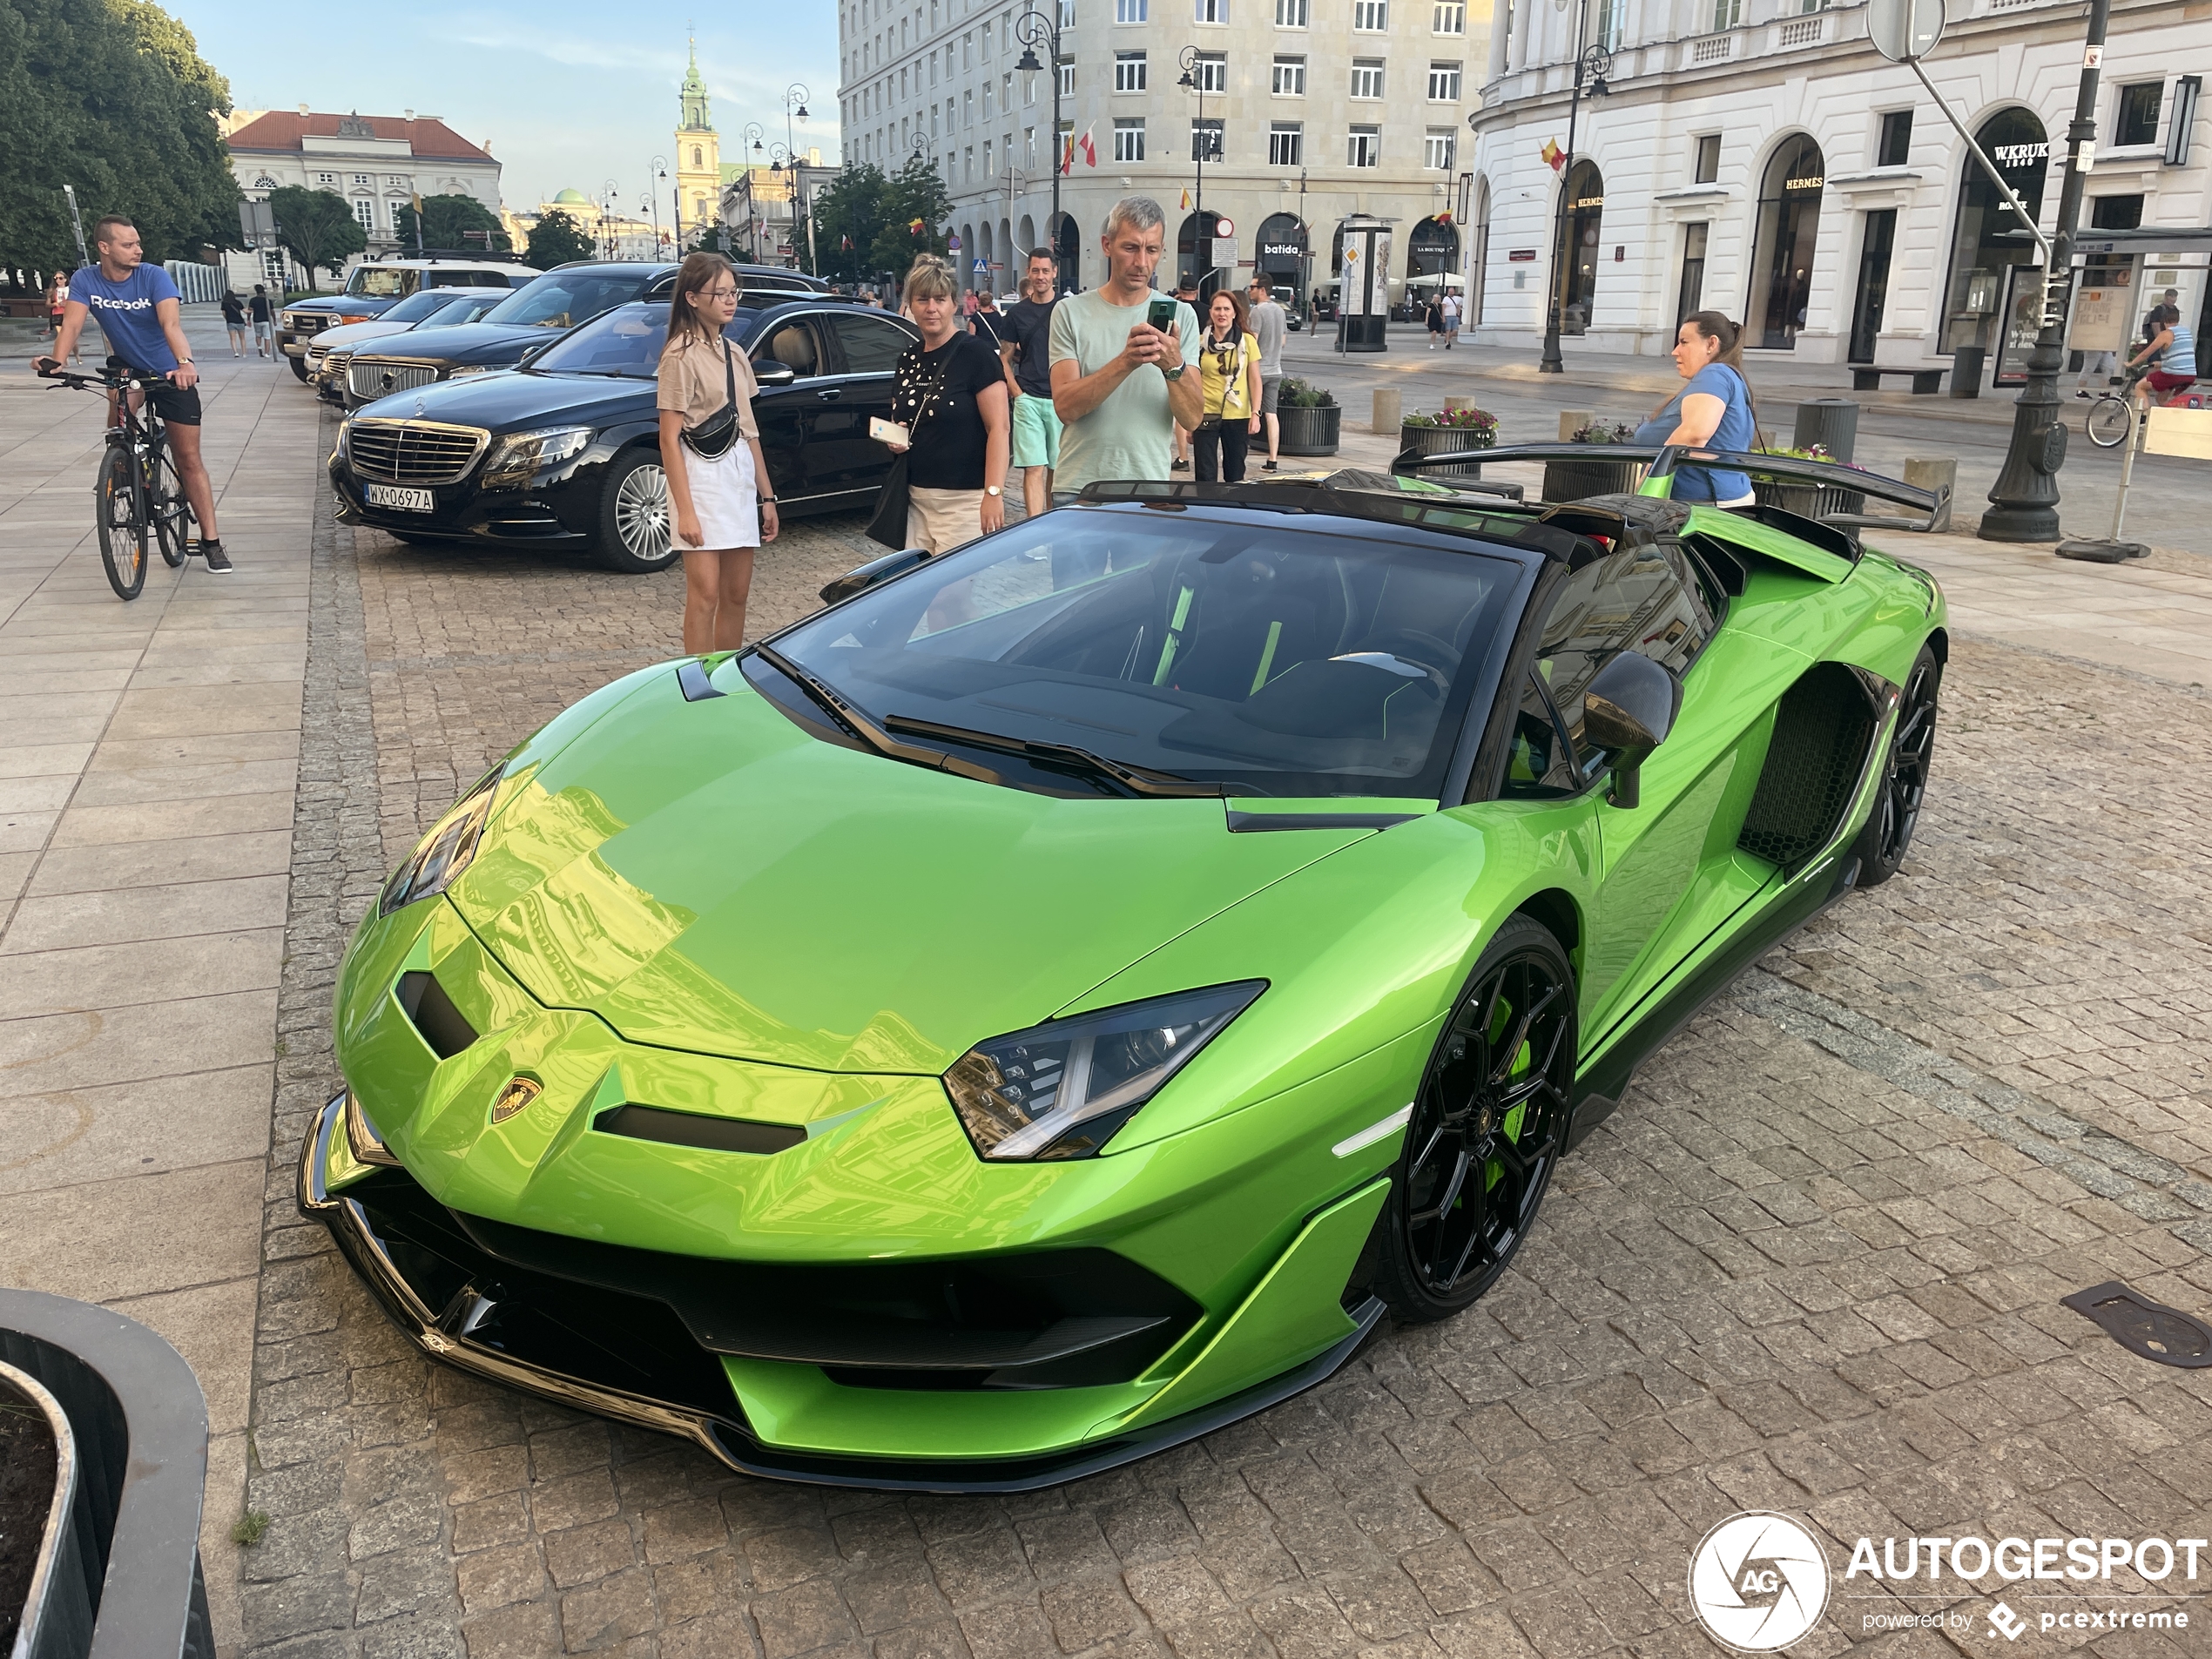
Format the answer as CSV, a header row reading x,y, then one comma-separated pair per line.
x,y
1714,409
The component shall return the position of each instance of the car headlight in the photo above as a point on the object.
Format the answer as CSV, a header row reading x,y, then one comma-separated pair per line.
x,y
1061,1089
519,456
445,852
462,371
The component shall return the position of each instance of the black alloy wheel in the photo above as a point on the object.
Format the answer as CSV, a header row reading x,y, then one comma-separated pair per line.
x,y
1888,833
635,519
120,513
1487,1131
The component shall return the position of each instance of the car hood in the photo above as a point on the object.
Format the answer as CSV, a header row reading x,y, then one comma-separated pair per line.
x,y
504,402
353,334
706,876
472,342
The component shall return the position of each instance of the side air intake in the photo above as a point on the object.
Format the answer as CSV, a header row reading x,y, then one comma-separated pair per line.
x,y
1822,730
440,1024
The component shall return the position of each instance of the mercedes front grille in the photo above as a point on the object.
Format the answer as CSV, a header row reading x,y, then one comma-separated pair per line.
x,y
371,380
412,452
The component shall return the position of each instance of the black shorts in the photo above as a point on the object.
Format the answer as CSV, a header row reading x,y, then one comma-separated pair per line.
x,y
177,405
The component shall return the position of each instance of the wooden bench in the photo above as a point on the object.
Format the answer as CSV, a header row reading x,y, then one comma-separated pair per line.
x,y
1926,382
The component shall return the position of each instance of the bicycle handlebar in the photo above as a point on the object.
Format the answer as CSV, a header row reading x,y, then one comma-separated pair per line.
x,y
108,378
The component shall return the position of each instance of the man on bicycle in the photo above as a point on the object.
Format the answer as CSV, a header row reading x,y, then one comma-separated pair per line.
x,y
2171,352
138,307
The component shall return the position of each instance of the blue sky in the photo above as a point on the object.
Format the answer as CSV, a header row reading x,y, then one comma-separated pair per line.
x,y
570,93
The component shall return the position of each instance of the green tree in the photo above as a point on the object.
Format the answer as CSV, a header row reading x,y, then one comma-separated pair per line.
x,y
914,192
318,226
112,97
555,240
848,216
447,222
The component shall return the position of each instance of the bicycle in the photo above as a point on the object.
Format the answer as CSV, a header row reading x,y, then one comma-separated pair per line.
x,y
140,496
2113,415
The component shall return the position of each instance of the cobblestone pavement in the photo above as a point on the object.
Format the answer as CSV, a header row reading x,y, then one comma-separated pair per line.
x,y
1812,1265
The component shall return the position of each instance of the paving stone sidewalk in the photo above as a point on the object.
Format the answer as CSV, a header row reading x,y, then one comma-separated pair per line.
x,y
1813,1265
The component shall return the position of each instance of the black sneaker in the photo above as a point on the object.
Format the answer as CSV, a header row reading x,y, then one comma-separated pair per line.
x,y
1267,466
219,563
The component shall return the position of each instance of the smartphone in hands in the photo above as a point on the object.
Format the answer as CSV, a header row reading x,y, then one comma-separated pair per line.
x,y
1161,314
888,431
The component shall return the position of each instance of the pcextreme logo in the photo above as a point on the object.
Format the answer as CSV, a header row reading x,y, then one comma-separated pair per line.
x,y
1758,1581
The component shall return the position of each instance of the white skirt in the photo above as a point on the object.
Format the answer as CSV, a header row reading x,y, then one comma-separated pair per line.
x,y
724,496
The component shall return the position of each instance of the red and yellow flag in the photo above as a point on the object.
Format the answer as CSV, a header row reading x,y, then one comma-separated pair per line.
x,y
1555,157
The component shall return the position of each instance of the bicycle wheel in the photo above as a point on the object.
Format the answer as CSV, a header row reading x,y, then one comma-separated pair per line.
x,y
2110,420
120,505
167,506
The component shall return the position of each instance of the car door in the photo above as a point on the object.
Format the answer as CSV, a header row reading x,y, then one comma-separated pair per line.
x,y
868,345
786,412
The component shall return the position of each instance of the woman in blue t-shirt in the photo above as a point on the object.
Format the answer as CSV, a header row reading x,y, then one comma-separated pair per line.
x,y
1714,408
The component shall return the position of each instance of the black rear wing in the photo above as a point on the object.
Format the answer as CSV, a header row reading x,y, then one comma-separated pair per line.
x,y
1930,507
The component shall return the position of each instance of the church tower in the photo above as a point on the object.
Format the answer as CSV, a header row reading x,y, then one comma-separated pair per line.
x,y
698,159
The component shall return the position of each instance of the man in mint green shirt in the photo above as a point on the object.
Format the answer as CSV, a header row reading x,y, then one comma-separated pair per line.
x,y
1119,385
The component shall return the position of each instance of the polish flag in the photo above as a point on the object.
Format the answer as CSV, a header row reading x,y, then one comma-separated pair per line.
x,y
1090,152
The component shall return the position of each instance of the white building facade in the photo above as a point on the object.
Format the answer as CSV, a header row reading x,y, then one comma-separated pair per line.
x,y
1306,111
1759,159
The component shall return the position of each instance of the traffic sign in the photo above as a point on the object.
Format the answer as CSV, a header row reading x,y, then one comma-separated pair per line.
x,y
1904,30
981,267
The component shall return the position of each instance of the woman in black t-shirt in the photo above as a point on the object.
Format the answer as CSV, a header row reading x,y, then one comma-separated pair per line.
x,y
951,398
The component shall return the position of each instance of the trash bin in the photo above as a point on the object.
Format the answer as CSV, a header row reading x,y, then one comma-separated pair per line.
x,y
1831,423
1966,370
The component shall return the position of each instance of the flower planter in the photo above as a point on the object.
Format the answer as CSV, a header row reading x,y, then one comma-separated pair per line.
x,y
1808,501
1579,480
1309,429
1443,440
42,1588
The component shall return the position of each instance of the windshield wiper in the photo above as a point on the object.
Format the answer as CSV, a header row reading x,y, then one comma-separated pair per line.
x,y
863,726
1138,781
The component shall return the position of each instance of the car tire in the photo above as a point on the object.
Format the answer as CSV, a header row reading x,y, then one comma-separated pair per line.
x,y
1882,845
634,517
299,369
1488,1126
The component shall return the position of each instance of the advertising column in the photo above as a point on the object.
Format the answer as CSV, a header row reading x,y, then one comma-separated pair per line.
x,y
1364,314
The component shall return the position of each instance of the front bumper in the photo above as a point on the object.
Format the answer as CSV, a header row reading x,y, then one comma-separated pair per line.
x,y
500,1324
558,510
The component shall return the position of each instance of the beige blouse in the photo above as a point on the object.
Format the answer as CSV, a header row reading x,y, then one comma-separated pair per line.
x,y
694,384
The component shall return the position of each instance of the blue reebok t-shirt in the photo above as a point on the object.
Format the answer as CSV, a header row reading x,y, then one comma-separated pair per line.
x,y
124,311
1737,431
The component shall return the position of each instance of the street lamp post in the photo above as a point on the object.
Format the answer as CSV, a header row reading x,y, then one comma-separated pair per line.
x,y
755,220
1033,29
794,104
780,158
658,170
609,210
1192,61
1590,64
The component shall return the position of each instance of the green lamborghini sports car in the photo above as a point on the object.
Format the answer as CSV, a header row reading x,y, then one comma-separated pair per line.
x,y
1060,997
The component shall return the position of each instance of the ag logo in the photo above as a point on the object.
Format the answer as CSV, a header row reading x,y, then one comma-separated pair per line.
x,y
1758,1581
519,1093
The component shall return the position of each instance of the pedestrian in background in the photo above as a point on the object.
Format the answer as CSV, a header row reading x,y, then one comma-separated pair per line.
x,y
263,323
1228,391
1186,291
710,448
1451,321
1435,320
57,298
989,324
1715,408
1118,383
1027,357
1271,326
234,319
950,394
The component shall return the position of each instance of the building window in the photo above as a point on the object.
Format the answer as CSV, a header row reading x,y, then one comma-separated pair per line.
x,y
326,179
1611,14
1065,69
2116,213
1132,11
989,171
1129,71
2139,106
365,210
1450,18
1366,77
395,178
1289,78
1444,83
1286,145
986,100
1290,14
1896,141
967,50
1066,14
1129,138
1029,149
1727,14
968,108
1365,148
1707,167
1211,71
1205,140
1437,148
970,164
364,179
1371,16
1211,10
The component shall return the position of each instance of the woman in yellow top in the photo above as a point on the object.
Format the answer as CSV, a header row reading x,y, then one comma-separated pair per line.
x,y
1229,387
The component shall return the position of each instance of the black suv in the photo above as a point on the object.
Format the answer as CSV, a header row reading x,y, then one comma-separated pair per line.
x,y
563,297
565,452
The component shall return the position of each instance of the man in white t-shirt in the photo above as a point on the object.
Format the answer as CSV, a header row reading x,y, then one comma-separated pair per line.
x,y
1451,319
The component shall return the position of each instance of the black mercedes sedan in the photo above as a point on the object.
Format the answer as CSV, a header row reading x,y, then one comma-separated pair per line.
x,y
563,297
564,452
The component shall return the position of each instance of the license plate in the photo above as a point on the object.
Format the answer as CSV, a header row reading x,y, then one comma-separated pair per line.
x,y
413,500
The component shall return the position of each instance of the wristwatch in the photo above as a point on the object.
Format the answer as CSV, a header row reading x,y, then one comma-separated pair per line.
x,y
764,500
993,490
1175,373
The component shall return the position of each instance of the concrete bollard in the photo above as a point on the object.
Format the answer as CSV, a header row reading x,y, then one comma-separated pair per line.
x,y
1453,405
1571,422
1939,473
1387,419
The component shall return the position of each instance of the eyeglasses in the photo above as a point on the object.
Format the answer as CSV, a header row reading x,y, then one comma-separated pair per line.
x,y
726,291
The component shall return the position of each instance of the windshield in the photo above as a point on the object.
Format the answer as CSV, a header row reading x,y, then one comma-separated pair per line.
x,y
379,281
563,299
467,309
625,343
422,303
1275,657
